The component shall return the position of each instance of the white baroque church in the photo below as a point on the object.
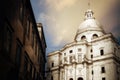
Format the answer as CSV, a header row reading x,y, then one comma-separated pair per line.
x,y
94,55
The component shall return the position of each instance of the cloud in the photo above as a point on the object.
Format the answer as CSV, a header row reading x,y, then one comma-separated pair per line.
x,y
46,18
60,4
51,28
111,19
61,19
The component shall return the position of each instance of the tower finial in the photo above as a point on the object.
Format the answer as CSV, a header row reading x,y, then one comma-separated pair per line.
x,y
89,13
88,4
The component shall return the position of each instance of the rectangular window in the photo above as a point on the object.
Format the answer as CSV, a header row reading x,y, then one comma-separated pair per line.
x,y
32,36
51,77
64,54
18,53
91,56
34,73
25,63
28,28
101,52
8,39
30,69
79,58
92,72
39,53
65,59
21,11
60,61
79,49
36,47
103,78
52,64
91,50
70,59
102,69
33,70
70,51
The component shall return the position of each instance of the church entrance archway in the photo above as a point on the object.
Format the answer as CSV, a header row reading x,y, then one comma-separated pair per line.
x,y
71,79
80,78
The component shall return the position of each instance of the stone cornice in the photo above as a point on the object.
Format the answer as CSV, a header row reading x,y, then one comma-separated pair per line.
x,y
85,42
73,44
53,53
95,59
107,36
90,29
54,68
102,38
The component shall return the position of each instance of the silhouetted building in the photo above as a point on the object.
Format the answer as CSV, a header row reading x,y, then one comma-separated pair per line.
x,y
22,46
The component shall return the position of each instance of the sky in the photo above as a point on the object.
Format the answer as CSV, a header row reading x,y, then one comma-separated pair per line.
x,y
61,18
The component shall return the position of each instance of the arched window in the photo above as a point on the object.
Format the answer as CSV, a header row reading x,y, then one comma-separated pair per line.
x,y
80,78
71,79
83,37
95,36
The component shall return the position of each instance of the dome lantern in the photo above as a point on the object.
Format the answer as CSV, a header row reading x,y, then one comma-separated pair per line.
x,y
89,14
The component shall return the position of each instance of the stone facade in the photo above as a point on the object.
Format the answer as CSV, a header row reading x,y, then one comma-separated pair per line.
x,y
94,55
22,42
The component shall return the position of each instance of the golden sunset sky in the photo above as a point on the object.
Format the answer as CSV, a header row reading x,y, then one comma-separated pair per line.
x,y
61,18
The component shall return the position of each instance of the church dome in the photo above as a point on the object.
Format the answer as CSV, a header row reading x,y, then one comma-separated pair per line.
x,y
89,28
89,23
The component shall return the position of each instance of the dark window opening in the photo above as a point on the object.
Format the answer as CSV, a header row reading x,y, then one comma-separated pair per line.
x,y
32,37
79,49
95,36
36,47
91,50
52,64
83,38
115,50
18,53
102,69
71,79
91,56
102,52
70,51
65,59
80,78
31,69
92,72
25,63
103,78
28,28
21,12
34,75
8,40
64,53
51,77
70,59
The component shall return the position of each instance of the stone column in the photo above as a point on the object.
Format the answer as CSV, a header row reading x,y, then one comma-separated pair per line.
x,y
65,73
85,67
74,68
